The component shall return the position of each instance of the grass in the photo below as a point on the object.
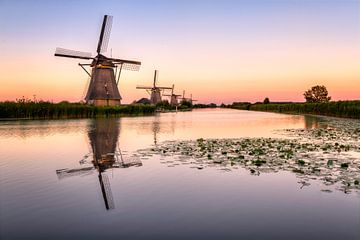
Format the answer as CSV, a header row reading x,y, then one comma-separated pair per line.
x,y
48,110
347,109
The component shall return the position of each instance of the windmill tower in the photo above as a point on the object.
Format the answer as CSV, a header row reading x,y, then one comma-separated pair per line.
x,y
154,91
173,96
103,87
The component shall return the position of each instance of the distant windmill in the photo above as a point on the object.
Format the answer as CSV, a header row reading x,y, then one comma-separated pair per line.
x,y
191,99
173,97
103,88
154,91
183,99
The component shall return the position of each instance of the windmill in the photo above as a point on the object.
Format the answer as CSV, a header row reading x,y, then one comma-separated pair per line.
x,y
183,99
173,97
191,99
154,91
103,86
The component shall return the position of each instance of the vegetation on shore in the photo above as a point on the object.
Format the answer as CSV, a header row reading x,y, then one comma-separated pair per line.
x,y
166,106
25,109
183,106
30,109
200,105
317,102
348,109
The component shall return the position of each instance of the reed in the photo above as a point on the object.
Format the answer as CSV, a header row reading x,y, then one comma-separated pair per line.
x,y
48,110
347,109
200,105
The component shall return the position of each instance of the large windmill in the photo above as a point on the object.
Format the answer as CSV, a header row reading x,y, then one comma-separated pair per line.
x,y
173,97
103,89
154,91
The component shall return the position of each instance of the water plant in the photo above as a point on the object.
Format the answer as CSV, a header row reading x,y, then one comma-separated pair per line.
x,y
304,158
301,162
330,162
344,165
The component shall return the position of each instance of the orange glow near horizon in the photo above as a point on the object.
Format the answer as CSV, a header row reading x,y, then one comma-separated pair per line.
x,y
250,77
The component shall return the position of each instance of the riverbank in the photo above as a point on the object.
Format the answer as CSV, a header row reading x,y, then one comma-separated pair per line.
x,y
47,110
345,109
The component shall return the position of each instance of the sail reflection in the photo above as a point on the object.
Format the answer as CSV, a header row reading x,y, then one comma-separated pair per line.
x,y
105,154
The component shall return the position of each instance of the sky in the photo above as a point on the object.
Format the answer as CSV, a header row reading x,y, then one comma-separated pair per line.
x,y
219,51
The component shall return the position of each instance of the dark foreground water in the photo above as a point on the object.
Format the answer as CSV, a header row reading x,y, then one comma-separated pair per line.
x,y
80,179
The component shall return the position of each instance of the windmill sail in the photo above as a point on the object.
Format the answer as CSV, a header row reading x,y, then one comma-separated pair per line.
x,y
62,52
155,78
104,34
127,64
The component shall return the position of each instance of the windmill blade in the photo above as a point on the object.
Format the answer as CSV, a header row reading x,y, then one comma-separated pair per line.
x,y
155,77
62,52
131,66
119,61
143,87
127,64
169,88
104,34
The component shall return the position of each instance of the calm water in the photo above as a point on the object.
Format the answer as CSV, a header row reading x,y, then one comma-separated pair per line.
x,y
51,187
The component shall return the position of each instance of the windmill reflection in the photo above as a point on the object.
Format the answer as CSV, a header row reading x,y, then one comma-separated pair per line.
x,y
155,127
106,154
161,126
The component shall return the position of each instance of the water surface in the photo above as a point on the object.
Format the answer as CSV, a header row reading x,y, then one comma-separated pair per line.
x,y
65,179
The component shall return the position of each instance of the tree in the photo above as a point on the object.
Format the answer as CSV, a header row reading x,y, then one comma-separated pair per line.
x,y
317,94
266,100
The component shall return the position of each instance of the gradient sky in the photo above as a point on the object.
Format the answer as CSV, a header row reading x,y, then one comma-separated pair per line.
x,y
220,51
